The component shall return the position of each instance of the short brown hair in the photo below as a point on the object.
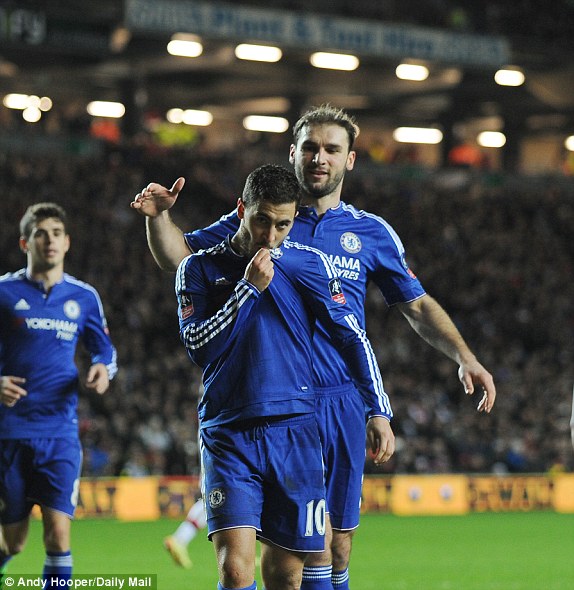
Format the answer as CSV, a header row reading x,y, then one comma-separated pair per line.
x,y
39,212
327,113
272,183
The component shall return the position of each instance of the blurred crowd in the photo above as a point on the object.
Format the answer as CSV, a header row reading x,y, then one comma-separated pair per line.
x,y
497,257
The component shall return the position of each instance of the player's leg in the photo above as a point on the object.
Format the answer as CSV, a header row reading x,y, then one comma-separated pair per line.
x,y
318,566
58,562
281,569
12,541
4,557
293,520
235,551
341,552
15,509
231,485
177,543
341,418
55,487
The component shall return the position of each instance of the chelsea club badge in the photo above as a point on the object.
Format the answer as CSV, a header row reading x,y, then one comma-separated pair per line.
x,y
351,242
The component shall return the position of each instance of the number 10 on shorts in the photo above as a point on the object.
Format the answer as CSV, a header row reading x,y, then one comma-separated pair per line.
x,y
315,518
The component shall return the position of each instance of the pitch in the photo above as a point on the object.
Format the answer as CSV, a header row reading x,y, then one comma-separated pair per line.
x,y
504,551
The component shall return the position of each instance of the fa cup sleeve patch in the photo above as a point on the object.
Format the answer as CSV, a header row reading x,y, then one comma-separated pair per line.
x,y
186,306
336,291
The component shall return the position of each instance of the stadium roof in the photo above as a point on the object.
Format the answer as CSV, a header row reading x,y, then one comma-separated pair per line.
x,y
114,50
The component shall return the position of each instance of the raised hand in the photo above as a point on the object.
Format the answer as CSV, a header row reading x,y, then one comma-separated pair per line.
x,y
156,198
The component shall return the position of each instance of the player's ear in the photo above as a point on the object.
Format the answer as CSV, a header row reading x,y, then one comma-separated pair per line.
x,y
23,243
351,160
292,154
240,208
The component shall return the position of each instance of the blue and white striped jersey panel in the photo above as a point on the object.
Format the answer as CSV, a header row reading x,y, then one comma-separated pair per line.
x,y
376,377
197,335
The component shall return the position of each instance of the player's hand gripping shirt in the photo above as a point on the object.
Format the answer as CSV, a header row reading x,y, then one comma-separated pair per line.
x,y
256,348
363,247
39,333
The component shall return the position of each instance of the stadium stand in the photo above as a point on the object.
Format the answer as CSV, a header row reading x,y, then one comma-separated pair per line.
x,y
495,250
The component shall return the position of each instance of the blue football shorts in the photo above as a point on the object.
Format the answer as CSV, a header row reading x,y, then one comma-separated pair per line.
x,y
44,471
266,474
340,414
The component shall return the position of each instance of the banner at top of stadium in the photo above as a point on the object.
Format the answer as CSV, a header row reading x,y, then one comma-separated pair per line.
x,y
306,30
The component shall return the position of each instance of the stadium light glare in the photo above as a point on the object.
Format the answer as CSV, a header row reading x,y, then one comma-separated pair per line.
x,y
199,118
509,77
184,45
417,135
34,101
189,117
16,101
32,114
24,101
45,104
415,73
569,143
491,139
264,53
102,108
174,116
263,123
334,61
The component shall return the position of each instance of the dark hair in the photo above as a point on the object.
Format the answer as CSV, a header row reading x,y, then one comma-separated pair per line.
x,y
39,212
327,113
271,183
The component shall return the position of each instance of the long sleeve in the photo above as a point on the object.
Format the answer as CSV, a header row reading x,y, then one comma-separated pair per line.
x,y
208,334
321,288
96,337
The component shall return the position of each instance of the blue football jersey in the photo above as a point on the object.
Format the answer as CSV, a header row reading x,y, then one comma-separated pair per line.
x,y
255,348
39,333
363,247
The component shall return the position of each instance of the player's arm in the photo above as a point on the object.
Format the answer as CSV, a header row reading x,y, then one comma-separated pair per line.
x,y
356,350
168,244
96,339
322,290
431,322
206,335
165,239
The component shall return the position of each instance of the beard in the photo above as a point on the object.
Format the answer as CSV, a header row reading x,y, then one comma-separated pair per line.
x,y
316,190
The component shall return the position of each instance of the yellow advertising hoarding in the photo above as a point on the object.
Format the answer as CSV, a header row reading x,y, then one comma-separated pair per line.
x,y
511,493
564,492
429,495
149,498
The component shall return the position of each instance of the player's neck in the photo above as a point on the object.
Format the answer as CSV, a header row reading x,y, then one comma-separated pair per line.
x,y
48,277
323,204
